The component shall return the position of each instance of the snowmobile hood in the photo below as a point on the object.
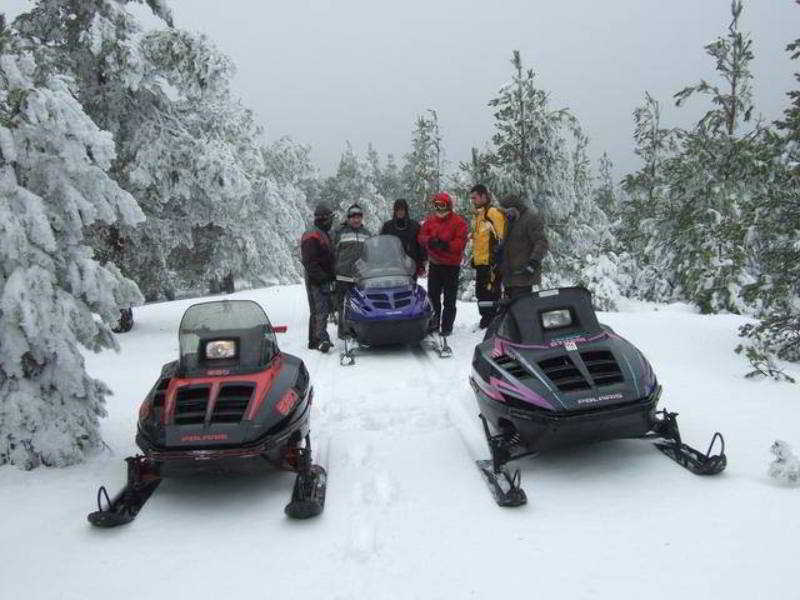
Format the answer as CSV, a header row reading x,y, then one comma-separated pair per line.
x,y
576,366
224,410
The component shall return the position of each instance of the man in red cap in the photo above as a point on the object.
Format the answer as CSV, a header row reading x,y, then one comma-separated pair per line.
x,y
444,235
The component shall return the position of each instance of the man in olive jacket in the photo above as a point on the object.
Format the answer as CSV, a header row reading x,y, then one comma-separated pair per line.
x,y
523,249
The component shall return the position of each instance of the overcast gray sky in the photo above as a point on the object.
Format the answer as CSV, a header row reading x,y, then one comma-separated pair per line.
x,y
325,72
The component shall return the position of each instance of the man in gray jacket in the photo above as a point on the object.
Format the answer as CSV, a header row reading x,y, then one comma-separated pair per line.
x,y
523,249
347,244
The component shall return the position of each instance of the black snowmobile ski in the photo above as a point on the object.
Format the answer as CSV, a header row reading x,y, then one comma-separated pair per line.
x,y
505,486
689,458
438,343
142,482
308,494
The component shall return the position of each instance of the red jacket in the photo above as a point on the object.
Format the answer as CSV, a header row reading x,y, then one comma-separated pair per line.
x,y
452,229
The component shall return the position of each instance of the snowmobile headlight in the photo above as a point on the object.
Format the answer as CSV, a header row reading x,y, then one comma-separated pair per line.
x,y
385,282
553,319
221,349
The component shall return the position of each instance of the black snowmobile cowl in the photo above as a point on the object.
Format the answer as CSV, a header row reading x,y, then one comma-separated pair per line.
x,y
232,402
548,375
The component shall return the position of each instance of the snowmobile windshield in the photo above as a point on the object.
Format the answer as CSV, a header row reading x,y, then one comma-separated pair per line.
x,y
231,335
549,315
384,263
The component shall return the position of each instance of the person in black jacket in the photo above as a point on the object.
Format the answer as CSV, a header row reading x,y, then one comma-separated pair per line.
x,y
407,229
317,256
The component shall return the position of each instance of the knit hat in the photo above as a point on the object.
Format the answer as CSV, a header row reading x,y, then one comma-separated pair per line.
x,y
354,209
323,210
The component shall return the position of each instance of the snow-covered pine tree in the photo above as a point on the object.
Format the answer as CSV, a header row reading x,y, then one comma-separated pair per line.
x,y
353,184
717,179
391,186
187,150
775,235
605,192
385,179
645,225
607,271
54,296
478,169
541,153
422,172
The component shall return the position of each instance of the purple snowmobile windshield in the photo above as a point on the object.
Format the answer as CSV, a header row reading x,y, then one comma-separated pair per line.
x,y
382,256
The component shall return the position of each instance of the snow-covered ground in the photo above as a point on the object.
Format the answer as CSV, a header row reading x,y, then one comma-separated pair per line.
x,y
407,514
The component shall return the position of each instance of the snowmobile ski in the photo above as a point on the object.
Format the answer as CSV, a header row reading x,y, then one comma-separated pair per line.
x,y
310,485
504,486
308,495
439,345
689,458
142,482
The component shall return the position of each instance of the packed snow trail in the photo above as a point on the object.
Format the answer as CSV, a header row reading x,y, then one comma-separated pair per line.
x,y
407,515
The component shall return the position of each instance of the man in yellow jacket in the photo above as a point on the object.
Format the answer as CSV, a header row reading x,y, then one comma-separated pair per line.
x,y
488,231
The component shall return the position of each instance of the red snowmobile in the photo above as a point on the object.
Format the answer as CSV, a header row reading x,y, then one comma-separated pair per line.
x,y
233,402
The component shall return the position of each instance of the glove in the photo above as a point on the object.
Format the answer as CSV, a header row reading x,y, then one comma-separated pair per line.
x,y
437,244
532,267
497,255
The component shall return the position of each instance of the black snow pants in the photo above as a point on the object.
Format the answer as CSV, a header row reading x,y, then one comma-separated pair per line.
x,y
487,289
319,307
443,279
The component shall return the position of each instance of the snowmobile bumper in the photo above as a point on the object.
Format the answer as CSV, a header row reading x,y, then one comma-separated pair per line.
x,y
540,429
244,458
382,332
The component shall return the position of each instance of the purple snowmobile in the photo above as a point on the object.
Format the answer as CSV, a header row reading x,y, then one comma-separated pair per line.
x,y
549,375
386,306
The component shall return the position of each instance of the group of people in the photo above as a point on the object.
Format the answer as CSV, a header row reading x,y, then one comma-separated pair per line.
x,y
508,245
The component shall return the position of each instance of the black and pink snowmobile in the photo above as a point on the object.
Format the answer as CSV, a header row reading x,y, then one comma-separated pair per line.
x,y
233,402
549,375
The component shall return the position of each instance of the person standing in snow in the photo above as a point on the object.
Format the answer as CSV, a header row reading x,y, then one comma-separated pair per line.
x,y
348,242
444,236
317,257
404,227
488,231
523,249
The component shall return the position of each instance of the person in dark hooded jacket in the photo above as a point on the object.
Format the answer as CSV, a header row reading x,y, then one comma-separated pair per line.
x,y
404,227
523,249
317,257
